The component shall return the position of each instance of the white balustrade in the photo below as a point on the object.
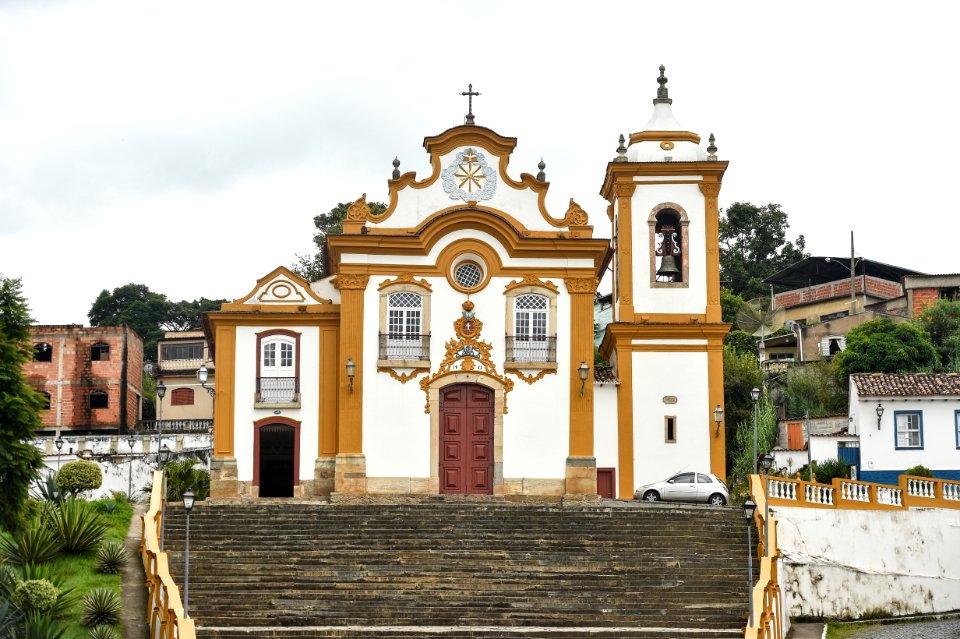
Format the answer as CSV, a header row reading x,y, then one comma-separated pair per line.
x,y
889,496
819,494
855,492
782,489
921,488
951,492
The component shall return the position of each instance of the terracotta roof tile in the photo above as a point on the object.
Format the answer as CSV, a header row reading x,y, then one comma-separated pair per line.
x,y
604,375
907,384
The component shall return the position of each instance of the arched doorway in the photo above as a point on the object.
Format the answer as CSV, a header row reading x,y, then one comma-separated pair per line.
x,y
276,451
466,439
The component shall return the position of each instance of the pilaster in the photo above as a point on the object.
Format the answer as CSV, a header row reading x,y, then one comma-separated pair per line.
x,y
624,271
711,224
350,470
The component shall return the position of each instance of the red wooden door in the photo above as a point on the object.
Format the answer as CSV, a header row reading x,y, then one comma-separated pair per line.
x,y
466,440
794,435
606,482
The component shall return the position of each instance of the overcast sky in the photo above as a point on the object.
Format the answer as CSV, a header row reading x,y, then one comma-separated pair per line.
x,y
188,145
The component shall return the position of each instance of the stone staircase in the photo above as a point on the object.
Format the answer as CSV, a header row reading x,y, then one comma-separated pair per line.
x,y
449,568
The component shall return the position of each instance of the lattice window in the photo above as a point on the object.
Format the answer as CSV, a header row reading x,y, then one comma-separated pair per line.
x,y
286,354
468,275
270,355
404,314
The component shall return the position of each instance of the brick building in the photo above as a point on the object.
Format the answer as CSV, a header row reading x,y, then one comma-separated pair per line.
x,y
924,290
92,377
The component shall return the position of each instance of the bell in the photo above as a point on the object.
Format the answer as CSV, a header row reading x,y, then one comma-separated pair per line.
x,y
668,267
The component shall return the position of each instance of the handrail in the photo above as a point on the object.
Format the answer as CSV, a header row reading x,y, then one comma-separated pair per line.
x,y
164,609
767,599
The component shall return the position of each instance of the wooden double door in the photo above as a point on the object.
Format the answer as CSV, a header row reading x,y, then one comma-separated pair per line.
x,y
466,439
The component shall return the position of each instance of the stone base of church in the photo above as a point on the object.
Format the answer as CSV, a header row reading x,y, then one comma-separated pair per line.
x,y
403,485
350,474
223,477
581,478
517,489
324,477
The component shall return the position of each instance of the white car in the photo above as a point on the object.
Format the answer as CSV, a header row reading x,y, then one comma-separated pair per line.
x,y
689,486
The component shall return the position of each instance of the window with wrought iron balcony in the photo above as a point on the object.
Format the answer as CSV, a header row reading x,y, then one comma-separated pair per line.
x,y
531,346
399,348
404,343
278,370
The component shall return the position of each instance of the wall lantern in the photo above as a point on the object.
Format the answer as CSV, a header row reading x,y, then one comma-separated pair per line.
x,y
203,375
879,414
718,418
583,370
351,372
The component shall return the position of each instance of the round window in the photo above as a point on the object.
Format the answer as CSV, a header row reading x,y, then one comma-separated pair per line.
x,y
468,275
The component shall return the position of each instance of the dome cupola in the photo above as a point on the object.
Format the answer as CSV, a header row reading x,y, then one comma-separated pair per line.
x,y
664,139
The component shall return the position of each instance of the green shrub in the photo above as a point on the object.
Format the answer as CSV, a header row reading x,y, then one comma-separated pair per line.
x,y
108,507
182,475
40,626
77,525
830,469
78,476
66,600
111,557
100,607
10,618
49,491
919,471
102,632
36,595
33,544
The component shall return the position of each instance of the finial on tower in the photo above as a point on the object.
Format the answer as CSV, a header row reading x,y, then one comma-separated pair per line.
x,y
662,97
396,168
541,176
621,150
712,149
469,93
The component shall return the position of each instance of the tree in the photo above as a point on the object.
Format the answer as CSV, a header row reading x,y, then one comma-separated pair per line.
x,y
753,246
311,268
185,316
741,373
885,346
136,306
813,388
20,405
942,322
730,304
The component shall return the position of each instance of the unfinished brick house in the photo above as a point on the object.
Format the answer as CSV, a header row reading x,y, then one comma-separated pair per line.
x,y
91,377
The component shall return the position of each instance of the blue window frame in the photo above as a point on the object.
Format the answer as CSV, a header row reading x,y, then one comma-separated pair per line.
x,y
908,429
956,426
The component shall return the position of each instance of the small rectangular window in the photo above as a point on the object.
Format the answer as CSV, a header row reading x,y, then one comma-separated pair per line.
x,y
670,429
100,352
42,352
909,425
181,351
956,426
181,397
99,399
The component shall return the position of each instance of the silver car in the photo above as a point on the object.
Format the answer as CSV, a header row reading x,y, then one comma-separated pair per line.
x,y
696,487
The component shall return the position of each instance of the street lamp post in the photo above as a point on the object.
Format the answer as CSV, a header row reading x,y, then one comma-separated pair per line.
x,y
58,442
161,391
853,278
749,507
188,498
755,395
130,442
163,456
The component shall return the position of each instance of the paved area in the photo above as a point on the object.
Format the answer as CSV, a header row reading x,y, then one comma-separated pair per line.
x,y
946,629
806,631
133,585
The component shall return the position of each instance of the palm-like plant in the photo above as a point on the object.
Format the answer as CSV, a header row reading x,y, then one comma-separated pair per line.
x,y
182,475
111,557
77,525
100,607
34,544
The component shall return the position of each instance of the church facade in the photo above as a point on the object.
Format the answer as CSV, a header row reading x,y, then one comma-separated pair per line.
x,y
451,348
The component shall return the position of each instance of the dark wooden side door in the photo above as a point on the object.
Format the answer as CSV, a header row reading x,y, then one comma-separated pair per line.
x,y
466,440
607,482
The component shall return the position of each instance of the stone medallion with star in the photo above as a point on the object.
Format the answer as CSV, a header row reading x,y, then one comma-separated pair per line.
x,y
469,178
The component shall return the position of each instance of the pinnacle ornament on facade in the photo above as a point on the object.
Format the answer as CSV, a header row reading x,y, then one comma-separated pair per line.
x,y
396,168
662,97
541,176
621,150
712,149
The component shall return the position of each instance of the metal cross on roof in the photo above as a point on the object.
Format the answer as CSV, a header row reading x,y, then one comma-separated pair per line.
x,y
469,93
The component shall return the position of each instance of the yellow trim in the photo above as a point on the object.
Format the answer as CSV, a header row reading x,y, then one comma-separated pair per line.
x,y
625,423
490,141
711,224
666,146
718,440
624,271
329,361
467,257
623,173
530,280
581,292
658,136
406,278
225,365
350,404
516,241
280,271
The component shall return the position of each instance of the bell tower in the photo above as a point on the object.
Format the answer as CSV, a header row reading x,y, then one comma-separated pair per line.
x,y
666,338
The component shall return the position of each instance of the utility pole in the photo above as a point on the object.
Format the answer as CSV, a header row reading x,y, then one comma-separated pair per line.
x,y
853,279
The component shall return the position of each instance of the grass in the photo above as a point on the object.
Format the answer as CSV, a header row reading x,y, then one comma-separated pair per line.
x,y
80,571
848,630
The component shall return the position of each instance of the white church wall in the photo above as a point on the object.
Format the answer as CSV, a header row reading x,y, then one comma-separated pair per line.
x,y
659,375
605,446
690,299
536,431
844,563
245,385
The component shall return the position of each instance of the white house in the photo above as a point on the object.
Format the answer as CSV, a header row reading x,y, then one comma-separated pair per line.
x,y
904,420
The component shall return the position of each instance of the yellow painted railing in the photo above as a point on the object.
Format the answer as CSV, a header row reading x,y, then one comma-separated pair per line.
x,y
911,492
767,599
164,609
